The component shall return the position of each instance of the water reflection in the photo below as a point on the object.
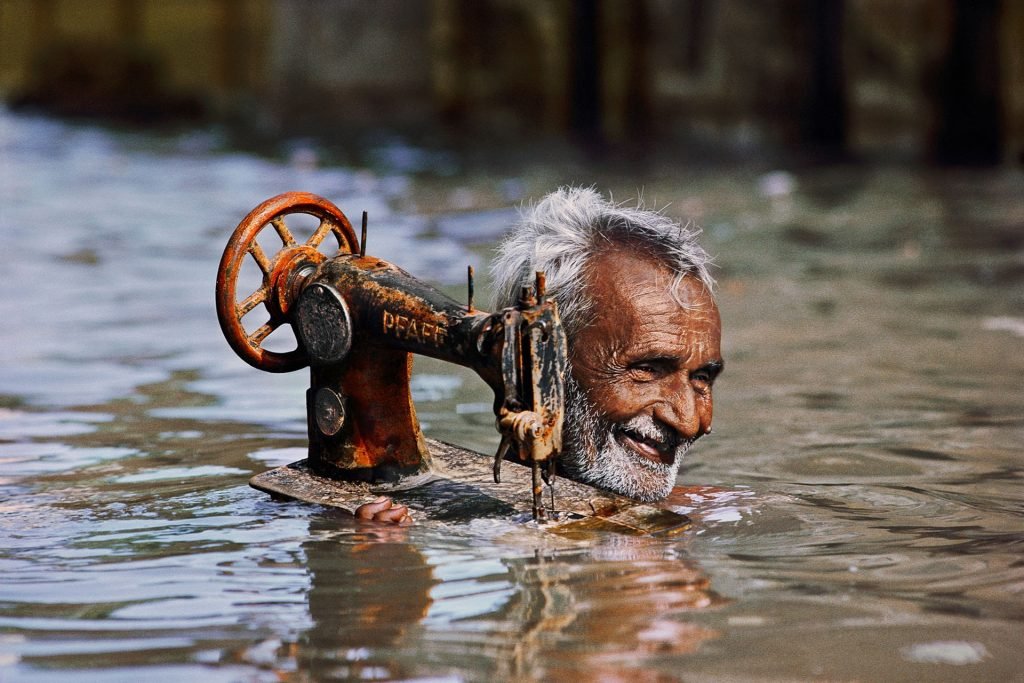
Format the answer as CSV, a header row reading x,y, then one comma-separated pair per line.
x,y
382,608
366,592
607,613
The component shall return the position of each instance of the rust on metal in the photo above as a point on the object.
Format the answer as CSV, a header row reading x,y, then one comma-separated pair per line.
x,y
359,320
274,292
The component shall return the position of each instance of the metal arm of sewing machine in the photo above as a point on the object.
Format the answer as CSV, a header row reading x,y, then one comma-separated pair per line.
x,y
360,319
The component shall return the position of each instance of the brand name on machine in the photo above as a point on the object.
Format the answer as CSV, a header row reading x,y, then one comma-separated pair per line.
x,y
405,328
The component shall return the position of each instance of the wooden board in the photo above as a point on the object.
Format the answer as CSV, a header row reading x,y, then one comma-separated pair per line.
x,y
461,487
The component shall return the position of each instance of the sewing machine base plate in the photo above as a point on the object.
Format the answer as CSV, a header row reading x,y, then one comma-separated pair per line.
x,y
461,487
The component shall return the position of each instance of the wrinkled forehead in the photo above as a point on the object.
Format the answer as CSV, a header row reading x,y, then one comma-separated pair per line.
x,y
621,275
641,307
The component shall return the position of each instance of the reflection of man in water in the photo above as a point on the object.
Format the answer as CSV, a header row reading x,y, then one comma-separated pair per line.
x,y
616,608
634,294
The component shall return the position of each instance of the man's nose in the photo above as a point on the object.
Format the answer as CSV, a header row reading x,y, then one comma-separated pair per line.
x,y
679,410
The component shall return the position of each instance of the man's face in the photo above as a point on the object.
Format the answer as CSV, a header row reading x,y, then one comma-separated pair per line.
x,y
639,391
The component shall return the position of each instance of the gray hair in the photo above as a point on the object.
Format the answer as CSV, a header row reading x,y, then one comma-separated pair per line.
x,y
560,233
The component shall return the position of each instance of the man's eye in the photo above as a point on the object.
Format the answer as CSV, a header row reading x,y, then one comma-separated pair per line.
x,y
644,371
703,379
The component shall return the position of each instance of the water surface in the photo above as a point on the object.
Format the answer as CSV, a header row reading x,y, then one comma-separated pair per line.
x,y
860,516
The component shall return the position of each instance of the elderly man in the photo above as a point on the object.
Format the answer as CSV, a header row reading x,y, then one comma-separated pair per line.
x,y
643,331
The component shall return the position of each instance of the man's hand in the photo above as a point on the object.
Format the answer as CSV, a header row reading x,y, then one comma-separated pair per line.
x,y
384,510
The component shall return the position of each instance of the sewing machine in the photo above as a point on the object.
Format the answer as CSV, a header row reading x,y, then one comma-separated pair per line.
x,y
358,321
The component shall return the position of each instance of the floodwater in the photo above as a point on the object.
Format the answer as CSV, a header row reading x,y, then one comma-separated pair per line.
x,y
863,516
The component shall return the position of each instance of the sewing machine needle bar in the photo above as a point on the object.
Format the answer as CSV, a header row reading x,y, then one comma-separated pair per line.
x,y
283,231
538,490
551,481
506,443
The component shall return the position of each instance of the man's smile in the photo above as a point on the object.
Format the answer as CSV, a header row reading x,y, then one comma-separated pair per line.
x,y
636,457
660,449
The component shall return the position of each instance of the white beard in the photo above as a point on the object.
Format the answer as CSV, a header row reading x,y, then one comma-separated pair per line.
x,y
593,455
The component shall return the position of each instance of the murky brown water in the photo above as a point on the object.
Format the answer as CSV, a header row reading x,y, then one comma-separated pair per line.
x,y
867,523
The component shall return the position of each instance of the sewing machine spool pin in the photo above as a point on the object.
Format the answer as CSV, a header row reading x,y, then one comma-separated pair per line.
x,y
362,242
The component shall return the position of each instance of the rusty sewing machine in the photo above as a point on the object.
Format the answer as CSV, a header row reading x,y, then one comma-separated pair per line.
x,y
358,321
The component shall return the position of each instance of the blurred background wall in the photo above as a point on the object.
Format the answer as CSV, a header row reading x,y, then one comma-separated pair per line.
x,y
920,80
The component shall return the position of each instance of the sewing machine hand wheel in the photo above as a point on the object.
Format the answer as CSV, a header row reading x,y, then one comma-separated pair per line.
x,y
282,273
